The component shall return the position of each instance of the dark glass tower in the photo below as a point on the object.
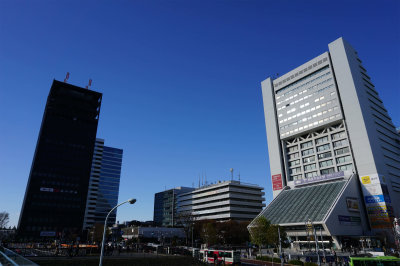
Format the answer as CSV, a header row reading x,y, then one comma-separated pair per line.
x,y
56,193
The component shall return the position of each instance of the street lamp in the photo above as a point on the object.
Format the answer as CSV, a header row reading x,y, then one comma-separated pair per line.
x,y
131,201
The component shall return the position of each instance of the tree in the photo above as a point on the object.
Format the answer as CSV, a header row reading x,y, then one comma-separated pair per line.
x,y
96,233
4,218
186,220
232,232
259,232
209,233
273,236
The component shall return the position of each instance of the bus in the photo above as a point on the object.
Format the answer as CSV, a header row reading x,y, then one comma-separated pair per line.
x,y
230,257
380,261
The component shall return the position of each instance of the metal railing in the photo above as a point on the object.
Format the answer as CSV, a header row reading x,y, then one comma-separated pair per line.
x,y
8,257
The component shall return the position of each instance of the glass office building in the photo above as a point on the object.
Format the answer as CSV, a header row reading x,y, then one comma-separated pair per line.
x,y
165,206
104,185
55,197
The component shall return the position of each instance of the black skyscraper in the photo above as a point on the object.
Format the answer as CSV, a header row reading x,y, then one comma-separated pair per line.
x,y
55,197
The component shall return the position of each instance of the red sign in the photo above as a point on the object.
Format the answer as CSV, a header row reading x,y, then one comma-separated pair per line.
x,y
277,182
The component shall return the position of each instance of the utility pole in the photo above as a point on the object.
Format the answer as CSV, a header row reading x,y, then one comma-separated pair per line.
x,y
280,245
316,247
322,240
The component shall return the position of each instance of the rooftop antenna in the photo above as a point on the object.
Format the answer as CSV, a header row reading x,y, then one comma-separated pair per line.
x,y
66,77
199,181
231,173
239,177
90,84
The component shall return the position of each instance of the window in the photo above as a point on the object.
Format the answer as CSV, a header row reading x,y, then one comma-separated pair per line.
x,y
339,135
326,163
325,155
310,167
307,152
342,151
293,163
295,170
345,167
295,177
327,171
293,155
311,174
343,159
321,140
306,144
294,148
309,159
340,143
323,147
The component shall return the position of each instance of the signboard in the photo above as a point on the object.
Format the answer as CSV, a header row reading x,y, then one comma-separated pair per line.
x,y
372,179
277,182
321,178
379,209
377,200
352,204
57,190
374,199
349,220
47,233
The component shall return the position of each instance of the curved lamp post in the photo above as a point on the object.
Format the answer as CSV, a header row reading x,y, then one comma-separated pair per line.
x,y
131,201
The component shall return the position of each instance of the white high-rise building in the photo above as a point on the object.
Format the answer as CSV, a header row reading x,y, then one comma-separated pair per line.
x,y
334,152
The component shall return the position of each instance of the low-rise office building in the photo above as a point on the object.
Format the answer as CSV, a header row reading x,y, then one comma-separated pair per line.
x,y
226,200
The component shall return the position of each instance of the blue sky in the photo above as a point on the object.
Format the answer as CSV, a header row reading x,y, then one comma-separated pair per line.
x,y
180,80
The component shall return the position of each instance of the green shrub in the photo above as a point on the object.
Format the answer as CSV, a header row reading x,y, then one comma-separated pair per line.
x,y
264,258
296,262
310,264
267,258
276,260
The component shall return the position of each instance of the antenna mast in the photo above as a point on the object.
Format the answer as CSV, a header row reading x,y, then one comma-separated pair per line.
x,y
66,77
90,84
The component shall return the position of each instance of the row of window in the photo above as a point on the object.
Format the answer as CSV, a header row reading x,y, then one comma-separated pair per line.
x,y
306,96
323,156
306,104
311,151
294,84
305,111
310,125
323,164
296,175
321,140
305,119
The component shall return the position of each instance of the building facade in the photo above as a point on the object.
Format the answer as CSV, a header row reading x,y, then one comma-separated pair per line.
x,y
333,146
55,197
227,200
165,206
103,185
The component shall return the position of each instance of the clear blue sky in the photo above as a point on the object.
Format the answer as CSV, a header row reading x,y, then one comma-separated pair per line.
x,y
181,80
